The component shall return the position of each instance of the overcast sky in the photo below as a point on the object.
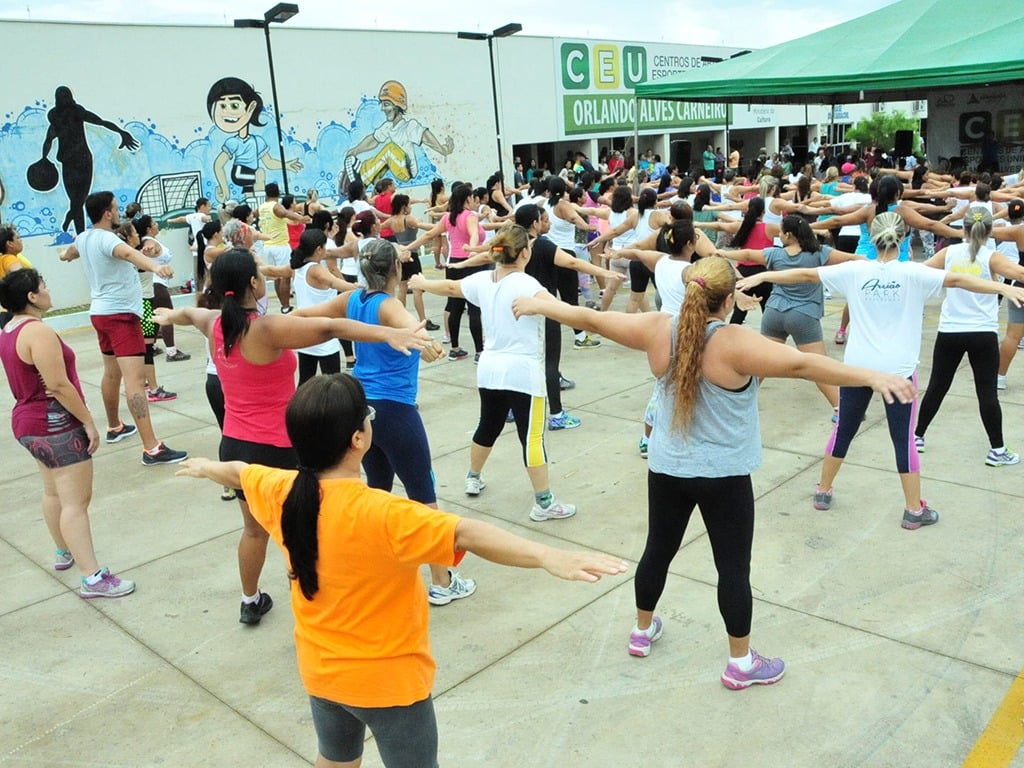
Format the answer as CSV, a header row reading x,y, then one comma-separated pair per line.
x,y
744,23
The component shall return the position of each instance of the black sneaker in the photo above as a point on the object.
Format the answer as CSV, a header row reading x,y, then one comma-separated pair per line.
x,y
252,612
119,434
163,455
432,326
458,354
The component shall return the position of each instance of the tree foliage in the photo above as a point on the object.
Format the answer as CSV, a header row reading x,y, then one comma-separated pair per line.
x,y
879,130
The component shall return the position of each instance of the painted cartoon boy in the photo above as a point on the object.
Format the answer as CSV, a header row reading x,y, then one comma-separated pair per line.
x,y
397,138
235,107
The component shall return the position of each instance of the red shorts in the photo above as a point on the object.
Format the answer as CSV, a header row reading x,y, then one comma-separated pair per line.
x,y
119,335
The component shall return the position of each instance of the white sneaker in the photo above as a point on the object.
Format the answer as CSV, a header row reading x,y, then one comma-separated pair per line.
x,y
1020,344
554,511
458,589
1000,382
474,485
1005,459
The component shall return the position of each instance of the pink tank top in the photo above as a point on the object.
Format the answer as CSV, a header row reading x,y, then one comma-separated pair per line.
x,y
757,241
35,412
458,235
255,396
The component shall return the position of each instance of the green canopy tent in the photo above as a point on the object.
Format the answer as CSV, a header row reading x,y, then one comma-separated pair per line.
x,y
896,53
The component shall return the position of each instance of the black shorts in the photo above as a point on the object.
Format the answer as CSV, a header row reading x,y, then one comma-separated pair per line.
x,y
233,449
410,268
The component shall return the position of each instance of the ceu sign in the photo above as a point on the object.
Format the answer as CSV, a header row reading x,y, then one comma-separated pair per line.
x,y
598,78
602,66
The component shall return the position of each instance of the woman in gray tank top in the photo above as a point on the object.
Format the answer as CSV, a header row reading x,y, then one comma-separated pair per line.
x,y
706,441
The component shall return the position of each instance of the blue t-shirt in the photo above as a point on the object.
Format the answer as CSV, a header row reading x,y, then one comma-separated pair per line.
x,y
246,152
385,373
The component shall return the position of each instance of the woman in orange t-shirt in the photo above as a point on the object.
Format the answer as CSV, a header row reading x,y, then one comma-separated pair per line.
x,y
354,554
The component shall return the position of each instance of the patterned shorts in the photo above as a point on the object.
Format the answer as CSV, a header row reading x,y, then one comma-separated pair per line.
x,y
148,326
60,450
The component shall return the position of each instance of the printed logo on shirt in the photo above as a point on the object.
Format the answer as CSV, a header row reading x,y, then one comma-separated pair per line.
x,y
880,291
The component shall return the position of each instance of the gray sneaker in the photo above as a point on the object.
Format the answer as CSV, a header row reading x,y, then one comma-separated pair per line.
x,y
458,589
927,516
822,499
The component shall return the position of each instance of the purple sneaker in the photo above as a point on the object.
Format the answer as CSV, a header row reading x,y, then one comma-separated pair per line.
x,y
641,640
108,586
763,672
63,560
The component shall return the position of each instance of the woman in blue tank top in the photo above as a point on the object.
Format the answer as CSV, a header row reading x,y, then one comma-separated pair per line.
x,y
391,382
706,441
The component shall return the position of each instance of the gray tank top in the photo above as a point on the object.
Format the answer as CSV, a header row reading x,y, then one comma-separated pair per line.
x,y
407,235
724,438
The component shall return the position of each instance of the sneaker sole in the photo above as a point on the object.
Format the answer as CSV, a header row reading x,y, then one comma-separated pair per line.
x,y
908,526
542,517
475,493
1001,463
94,595
162,462
438,600
121,436
62,566
644,651
739,685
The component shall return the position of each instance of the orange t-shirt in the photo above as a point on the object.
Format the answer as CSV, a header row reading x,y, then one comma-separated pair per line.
x,y
363,639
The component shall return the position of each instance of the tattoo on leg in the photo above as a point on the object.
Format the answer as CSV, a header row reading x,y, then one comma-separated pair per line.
x,y
138,405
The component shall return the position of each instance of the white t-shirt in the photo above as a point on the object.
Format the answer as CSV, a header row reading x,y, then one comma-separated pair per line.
x,y
114,283
668,274
846,200
196,221
513,356
887,306
165,257
407,134
965,311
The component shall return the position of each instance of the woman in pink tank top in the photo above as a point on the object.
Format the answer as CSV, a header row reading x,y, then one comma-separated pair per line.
x,y
50,419
256,367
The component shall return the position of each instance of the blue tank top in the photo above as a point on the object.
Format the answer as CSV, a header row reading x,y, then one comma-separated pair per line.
x,y
866,248
385,373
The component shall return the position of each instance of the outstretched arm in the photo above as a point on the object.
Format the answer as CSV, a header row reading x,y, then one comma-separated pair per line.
x,y
225,473
637,330
499,546
749,353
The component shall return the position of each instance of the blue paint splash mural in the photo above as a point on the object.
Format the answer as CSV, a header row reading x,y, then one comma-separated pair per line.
x,y
138,159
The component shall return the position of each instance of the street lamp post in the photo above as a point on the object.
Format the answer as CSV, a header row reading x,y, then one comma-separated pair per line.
x,y
504,31
279,14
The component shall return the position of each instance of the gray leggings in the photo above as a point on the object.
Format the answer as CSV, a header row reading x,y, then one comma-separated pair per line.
x,y
406,736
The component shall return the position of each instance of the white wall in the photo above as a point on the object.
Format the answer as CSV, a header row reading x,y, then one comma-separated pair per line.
x,y
153,83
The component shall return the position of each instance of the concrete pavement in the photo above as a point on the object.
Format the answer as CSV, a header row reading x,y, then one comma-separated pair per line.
x,y
900,645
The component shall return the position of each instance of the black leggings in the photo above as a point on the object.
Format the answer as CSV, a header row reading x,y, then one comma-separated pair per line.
x,y
162,298
763,291
552,357
346,344
455,307
568,284
727,506
327,363
529,417
639,276
982,349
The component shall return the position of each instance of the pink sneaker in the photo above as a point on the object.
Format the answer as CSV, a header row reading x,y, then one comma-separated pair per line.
x,y
763,672
641,640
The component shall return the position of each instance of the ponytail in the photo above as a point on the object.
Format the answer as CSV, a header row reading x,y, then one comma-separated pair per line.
x,y
978,227
231,277
709,282
325,405
309,241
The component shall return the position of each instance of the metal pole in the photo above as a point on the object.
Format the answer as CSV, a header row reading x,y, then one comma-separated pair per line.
x,y
277,109
636,145
497,120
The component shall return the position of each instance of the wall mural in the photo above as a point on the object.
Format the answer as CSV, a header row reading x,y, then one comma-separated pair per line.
x,y
232,154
